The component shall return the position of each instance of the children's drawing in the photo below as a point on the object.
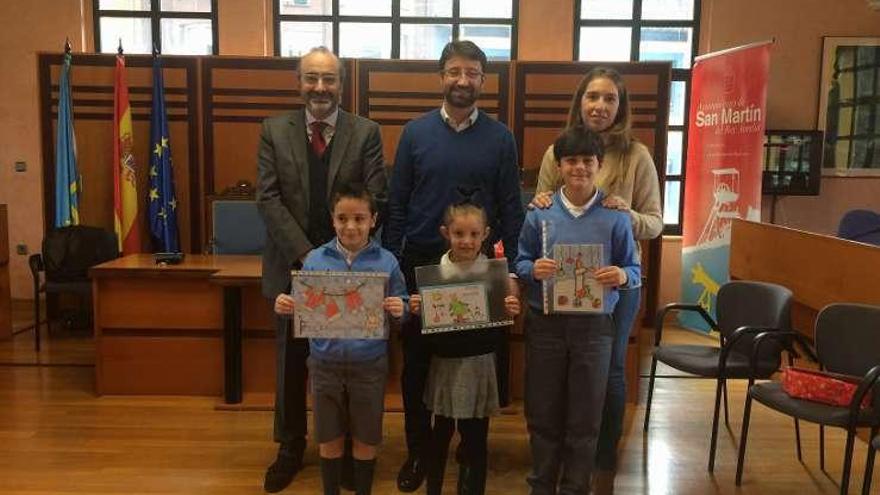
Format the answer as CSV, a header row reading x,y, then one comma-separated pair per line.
x,y
339,305
574,287
454,307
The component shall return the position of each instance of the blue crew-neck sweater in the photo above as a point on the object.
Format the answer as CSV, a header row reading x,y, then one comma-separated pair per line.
x,y
370,259
598,225
434,164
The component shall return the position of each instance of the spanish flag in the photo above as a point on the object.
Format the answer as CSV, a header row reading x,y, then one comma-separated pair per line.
x,y
125,197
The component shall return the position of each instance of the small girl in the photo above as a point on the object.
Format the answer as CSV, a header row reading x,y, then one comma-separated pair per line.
x,y
462,387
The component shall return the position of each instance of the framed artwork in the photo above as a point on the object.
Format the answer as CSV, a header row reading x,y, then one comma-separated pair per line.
x,y
849,106
459,296
339,305
574,289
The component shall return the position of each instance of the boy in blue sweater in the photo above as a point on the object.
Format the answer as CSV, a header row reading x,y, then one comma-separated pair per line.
x,y
348,375
567,356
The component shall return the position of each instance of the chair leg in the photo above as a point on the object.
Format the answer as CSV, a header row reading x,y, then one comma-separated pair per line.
x,y
714,442
869,464
847,462
822,447
36,320
797,438
726,412
650,391
740,460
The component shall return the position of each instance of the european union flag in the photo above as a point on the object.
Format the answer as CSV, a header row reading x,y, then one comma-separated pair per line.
x,y
67,178
161,199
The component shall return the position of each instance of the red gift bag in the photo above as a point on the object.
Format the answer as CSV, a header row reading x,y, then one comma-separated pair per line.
x,y
821,386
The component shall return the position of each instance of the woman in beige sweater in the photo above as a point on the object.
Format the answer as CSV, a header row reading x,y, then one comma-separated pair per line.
x,y
629,179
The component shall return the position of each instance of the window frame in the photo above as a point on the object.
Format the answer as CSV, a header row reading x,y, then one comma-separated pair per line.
x,y
636,23
396,20
155,14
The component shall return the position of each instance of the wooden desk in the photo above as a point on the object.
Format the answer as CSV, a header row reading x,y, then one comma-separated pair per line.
x,y
818,269
160,329
5,294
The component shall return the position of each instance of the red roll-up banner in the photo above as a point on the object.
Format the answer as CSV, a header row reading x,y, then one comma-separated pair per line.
x,y
724,165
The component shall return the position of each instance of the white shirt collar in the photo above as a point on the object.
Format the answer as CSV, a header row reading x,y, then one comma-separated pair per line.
x,y
575,210
445,260
330,120
349,255
469,121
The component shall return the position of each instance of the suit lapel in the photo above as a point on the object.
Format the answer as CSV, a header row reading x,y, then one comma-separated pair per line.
x,y
298,139
341,137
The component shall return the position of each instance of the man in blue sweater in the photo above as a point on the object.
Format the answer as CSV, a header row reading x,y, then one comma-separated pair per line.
x,y
568,356
453,151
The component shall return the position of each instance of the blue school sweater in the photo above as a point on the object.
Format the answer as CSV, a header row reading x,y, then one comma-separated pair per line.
x,y
433,162
598,225
370,259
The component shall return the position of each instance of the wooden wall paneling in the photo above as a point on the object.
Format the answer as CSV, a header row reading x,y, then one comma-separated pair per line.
x,y
393,92
92,80
5,294
237,94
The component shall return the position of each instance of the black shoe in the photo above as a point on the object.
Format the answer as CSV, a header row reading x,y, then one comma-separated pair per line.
x,y
282,471
411,475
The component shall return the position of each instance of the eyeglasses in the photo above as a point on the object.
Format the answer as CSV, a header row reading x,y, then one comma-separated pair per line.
x,y
455,73
327,79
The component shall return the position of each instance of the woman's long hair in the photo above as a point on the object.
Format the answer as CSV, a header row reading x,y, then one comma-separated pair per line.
x,y
618,137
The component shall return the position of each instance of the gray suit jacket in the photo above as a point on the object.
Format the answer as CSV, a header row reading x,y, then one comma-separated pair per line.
x,y
283,179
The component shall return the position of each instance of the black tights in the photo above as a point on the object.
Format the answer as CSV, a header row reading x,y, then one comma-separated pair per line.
x,y
474,433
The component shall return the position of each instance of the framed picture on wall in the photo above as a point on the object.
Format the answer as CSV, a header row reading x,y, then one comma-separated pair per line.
x,y
849,105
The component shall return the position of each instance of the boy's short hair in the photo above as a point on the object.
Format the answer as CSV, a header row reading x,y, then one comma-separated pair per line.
x,y
353,191
464,49
578,140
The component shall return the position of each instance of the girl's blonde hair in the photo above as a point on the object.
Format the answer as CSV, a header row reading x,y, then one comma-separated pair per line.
x,y
463,208
618,137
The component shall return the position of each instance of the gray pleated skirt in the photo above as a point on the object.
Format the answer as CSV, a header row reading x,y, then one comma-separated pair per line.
x,y
462,387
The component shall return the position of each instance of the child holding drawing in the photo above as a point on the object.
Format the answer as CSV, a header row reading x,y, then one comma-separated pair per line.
x,y
462,388
568,355
348,375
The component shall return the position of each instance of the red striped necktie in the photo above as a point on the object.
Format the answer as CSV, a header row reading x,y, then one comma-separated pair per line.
x,y
318,142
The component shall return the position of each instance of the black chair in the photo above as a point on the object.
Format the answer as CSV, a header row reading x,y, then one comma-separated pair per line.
x,y
846,337
873,446
68,253
744,309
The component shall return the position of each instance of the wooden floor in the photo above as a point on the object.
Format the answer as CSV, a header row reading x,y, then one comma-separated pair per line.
x,y
56,436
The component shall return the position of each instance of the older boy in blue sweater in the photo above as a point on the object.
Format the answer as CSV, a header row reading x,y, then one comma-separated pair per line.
x,y
567,356
348,375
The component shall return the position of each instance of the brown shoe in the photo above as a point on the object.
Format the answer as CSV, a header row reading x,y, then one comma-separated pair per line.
x,y
603,482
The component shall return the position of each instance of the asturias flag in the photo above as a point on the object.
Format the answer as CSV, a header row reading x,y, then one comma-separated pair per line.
x,y
125,198
67,178
161,199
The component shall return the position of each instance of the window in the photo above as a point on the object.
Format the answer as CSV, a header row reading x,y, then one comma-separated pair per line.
x,y
405,29
176,27
852,119
642,30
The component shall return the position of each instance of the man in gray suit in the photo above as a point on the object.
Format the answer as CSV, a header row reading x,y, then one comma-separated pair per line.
x,y
303,157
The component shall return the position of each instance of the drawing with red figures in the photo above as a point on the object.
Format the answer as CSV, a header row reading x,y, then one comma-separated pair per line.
x,y
339,305
574,288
